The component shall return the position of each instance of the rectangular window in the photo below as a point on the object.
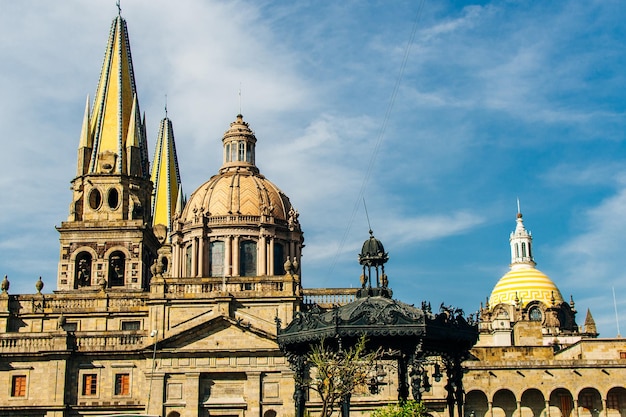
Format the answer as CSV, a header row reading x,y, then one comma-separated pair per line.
x,y
90,384
70,326
216,250
622,355
122,384
18,386
131,325
188,251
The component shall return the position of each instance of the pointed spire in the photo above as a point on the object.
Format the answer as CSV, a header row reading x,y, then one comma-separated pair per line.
x,y
165,176
115,111
521,244
590,325
181,202
85,144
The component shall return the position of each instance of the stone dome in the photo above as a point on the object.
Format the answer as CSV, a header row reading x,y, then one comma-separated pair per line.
x,y
526,285
238,193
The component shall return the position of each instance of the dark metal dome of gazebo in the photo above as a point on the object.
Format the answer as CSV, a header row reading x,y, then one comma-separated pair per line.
x,y
404,332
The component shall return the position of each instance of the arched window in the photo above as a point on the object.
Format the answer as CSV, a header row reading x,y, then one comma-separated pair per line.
x,y
242,151
523,249
188,250
250,153
517,250
227,152
535,314
216,256
117,264
247,258
82,270
279,259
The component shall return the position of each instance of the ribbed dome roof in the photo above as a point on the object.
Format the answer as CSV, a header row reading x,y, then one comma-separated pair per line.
x,y
243,193
526,284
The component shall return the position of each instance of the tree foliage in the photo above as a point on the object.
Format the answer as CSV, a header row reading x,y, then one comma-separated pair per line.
x,y
406,409
337,373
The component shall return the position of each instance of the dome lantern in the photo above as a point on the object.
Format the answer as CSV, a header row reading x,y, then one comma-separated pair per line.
x,y
239,146
373,256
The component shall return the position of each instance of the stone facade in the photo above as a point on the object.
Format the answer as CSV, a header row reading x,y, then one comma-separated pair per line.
x,y
179,319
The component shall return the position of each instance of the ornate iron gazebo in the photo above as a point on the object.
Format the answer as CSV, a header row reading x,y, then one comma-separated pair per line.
x,y
408,335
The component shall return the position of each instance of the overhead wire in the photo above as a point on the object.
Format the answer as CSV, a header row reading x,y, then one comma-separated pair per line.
x,y
379,140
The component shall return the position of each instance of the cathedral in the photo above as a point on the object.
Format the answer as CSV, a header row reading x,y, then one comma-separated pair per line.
x,y
169,306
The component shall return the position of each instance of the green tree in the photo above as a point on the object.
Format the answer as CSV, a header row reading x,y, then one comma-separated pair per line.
x,y
336,373
406,409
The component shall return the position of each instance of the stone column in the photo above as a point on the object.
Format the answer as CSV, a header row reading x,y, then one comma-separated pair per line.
x,y
490,408
194,257
548,407
235,255
191,394
270,258
228,256
201,256
262,261
576,409
252,393
156,385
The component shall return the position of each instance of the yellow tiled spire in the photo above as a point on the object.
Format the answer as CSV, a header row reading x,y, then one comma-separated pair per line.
x,y
165,176
116,135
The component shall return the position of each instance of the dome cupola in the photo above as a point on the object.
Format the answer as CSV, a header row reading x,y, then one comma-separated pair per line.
x,y
238,223
239,143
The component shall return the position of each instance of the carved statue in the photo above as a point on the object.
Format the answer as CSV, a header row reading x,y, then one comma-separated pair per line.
x,y
84,272
293,222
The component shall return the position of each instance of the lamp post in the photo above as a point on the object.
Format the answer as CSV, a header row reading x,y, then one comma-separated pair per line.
x,y
153,334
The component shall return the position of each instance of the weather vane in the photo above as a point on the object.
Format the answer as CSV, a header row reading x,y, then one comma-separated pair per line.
x,y
119,8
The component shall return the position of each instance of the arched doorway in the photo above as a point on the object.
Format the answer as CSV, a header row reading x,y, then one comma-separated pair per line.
x,y
561,403
476,404
589,403
533,403
504,403
616,402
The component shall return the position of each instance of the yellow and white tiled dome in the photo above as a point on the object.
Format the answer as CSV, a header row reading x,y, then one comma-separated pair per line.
x,y
524,283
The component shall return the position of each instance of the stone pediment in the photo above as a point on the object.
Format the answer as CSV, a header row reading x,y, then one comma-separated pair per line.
x,y
220,333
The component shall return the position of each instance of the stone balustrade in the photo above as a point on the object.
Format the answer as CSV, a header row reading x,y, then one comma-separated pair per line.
x,y
328,297
79,341
216,286
88,302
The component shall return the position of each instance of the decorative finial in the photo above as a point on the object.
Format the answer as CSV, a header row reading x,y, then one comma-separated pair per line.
x,y
5,285
119,8
166,106
39,285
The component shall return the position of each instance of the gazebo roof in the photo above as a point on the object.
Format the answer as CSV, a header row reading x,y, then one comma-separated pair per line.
x,y
387,323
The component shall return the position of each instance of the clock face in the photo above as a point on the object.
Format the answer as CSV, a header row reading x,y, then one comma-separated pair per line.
x,y
535,314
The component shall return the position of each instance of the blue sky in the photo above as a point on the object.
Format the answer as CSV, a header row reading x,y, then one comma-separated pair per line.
x,y
498,100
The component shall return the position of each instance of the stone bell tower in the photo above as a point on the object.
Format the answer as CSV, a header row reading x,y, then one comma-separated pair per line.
x,y
107,241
